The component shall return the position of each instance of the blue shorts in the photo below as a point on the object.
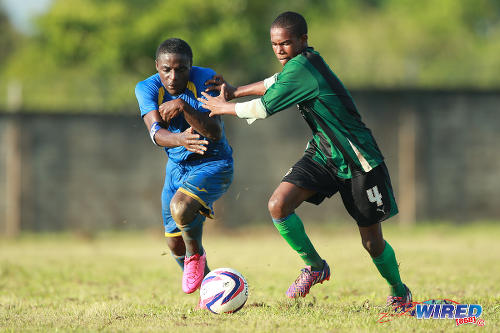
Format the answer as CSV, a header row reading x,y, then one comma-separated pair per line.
x,y
205,180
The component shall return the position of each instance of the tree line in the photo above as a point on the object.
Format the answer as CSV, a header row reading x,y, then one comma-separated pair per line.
x,y
87,55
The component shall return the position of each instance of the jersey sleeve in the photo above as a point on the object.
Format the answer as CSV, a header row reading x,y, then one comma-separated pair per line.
x,y
147,97
295,84
207,75
200,104
204,75
194,103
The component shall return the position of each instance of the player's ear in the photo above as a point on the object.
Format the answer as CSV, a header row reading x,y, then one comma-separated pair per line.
x,y
303,39
156,64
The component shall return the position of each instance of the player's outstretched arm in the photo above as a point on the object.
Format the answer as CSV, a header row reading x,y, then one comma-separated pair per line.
x,y
253,89
251,110
164,138
218,105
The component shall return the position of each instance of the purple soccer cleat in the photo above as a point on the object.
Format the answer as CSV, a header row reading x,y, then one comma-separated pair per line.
x,y
397,302
307,279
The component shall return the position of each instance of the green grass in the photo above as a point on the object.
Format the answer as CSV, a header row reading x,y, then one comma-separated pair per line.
x,y
125,282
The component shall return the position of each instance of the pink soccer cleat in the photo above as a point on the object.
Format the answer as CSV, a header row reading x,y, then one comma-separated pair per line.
x,y
194,270
307,279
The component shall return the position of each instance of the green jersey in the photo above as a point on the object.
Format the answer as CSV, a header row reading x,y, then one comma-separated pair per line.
x,y
341,142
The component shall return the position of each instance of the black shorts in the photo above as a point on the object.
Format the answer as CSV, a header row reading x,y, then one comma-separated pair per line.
x,y
368,197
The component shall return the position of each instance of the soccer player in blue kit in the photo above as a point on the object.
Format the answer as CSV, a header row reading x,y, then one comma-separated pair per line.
x,y
200,164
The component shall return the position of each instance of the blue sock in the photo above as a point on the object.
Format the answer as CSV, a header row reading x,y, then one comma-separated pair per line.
x,y
179,260
192,234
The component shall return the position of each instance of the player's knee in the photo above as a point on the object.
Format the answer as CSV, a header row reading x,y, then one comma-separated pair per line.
x,y
277,207
181,211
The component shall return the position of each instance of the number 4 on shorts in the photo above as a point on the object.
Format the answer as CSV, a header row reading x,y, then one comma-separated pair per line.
x,y
374,195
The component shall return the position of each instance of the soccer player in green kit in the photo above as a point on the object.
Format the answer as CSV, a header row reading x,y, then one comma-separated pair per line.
x,y
342,155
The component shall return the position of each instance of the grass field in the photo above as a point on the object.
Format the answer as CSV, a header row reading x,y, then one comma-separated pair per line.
x,y
126,282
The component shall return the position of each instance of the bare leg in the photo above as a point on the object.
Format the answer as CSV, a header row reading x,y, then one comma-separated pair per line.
x,y
186,213
384,258
372,239
282,205
177,249
286,198
176,245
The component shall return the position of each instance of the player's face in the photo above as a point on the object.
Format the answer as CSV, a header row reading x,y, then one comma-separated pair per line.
x,y
286,45
174,72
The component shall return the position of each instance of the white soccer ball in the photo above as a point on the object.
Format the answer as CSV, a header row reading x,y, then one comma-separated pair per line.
x,y
223,290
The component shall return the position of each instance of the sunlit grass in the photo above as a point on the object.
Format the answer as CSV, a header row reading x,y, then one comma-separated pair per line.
x,y
129,282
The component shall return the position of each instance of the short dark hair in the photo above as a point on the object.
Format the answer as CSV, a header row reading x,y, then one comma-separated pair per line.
x,y
174,45
293,22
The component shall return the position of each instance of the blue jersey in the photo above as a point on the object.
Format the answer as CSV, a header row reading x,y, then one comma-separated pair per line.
x,y
151,93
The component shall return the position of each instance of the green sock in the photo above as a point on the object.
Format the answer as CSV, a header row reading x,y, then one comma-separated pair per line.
x,y
292,230
388,267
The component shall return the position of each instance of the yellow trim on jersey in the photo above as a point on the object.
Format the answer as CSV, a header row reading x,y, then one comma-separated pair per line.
x,y
197,198
192,87
173,234
161,93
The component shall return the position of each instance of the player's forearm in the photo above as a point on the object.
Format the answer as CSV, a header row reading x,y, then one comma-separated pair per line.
x,y
162,137
257,88
165,138
253,109
252,89
208,127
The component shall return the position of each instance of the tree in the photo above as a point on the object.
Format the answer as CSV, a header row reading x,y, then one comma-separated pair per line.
x,y
95,51
89,54
8,37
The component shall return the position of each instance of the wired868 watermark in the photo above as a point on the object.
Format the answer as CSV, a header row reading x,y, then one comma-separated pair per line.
x,y
437,309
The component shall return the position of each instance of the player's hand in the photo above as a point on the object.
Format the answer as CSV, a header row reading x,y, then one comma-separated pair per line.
x,y
171,109
192,142
216,83
217,105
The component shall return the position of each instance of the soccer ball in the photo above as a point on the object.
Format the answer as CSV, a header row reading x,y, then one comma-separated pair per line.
x,y
223,290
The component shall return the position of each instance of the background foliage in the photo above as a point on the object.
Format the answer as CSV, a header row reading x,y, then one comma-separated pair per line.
x,y
88,54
